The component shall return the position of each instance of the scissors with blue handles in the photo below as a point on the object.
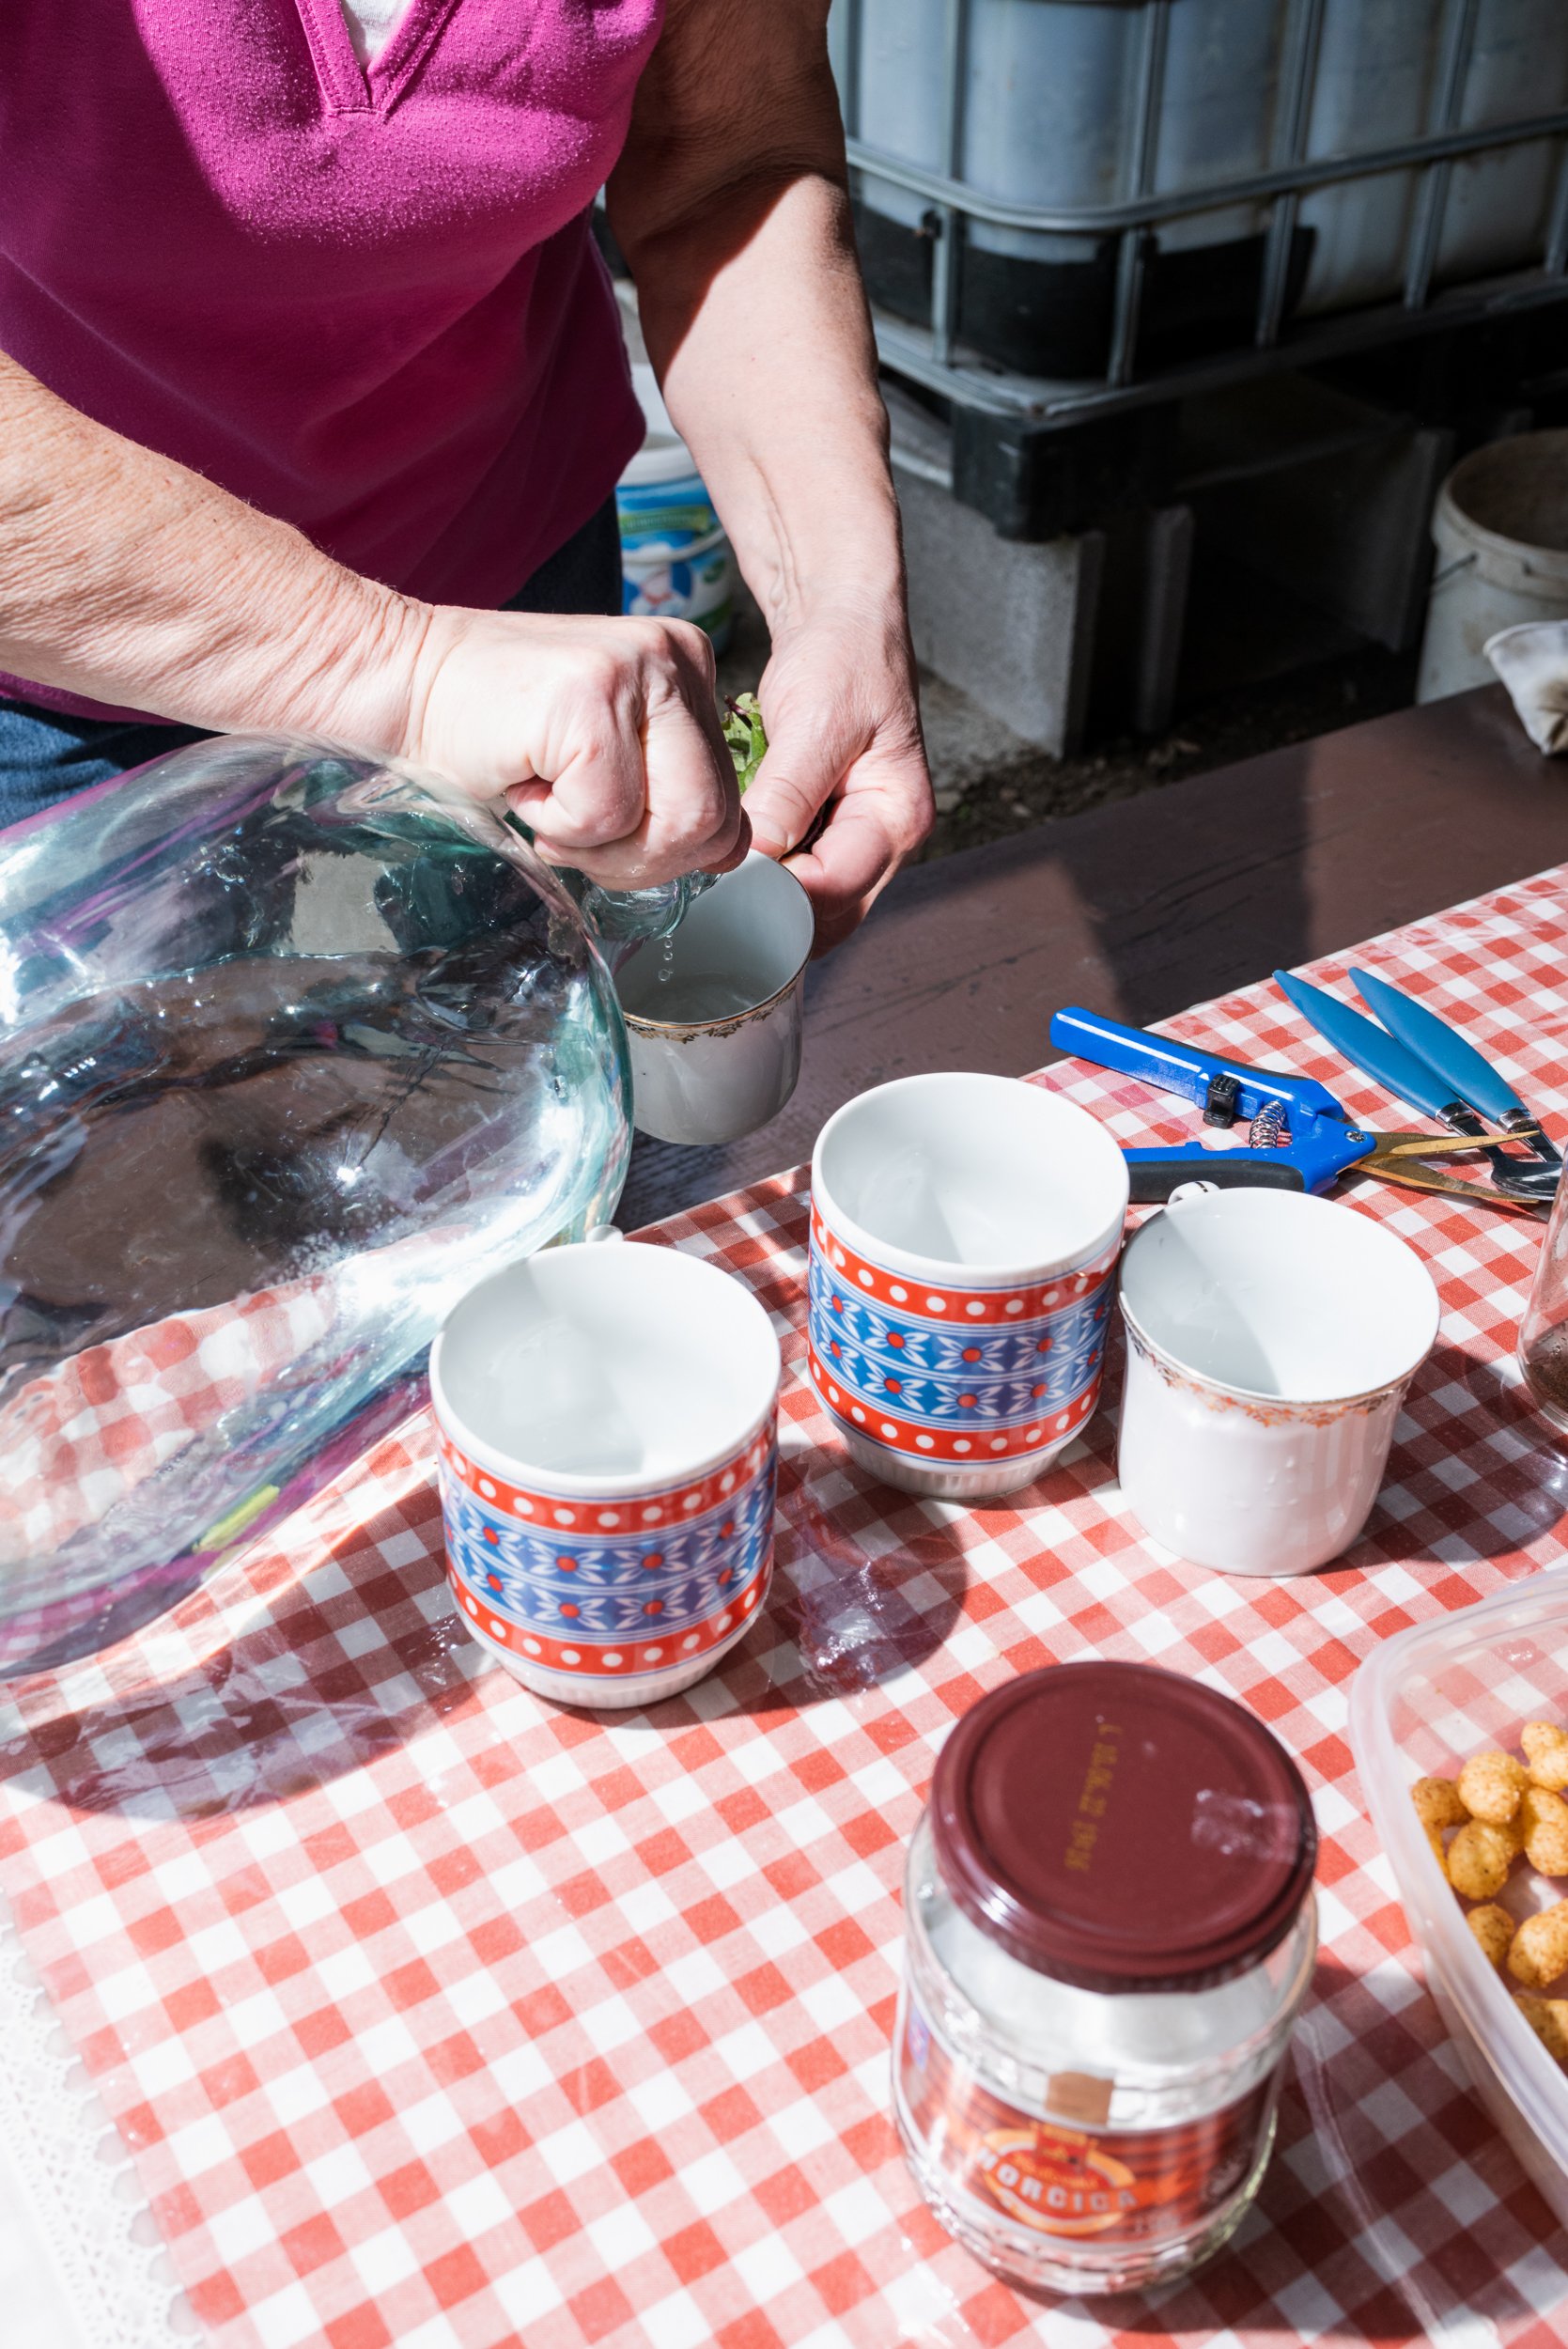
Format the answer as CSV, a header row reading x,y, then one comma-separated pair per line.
x,y
1418,1057
1264,1126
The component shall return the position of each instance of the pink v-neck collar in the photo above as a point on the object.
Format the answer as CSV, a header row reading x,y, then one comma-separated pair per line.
x,y
350,87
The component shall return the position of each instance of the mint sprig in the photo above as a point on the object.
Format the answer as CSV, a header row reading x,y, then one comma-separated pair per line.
x,y
746,735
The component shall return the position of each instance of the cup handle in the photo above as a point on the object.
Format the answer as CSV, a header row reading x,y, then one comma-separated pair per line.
x,y
600,1233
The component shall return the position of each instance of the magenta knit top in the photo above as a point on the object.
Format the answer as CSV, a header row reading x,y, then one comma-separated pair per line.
x,y
363,298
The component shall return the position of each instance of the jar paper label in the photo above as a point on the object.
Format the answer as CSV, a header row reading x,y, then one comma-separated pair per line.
x,y
1120,2186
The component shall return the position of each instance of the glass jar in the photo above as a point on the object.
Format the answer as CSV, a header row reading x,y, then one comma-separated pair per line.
x,y
1544,1332
1110,1930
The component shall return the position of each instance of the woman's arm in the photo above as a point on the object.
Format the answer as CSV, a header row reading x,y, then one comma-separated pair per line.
x,y
131,580
729,204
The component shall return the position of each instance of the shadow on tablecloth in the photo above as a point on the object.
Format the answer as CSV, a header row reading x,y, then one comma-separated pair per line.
x,y
339,1659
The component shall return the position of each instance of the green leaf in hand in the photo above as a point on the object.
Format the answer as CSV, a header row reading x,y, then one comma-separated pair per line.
x,y
746,735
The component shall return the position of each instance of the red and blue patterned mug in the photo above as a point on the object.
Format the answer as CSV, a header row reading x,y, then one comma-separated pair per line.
x,y
607,1420
964,1237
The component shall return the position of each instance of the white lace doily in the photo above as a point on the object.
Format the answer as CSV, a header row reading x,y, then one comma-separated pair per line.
x,y
81,2264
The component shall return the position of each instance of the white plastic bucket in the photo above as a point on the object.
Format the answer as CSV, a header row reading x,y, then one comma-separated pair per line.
x,y
676,563
1500,530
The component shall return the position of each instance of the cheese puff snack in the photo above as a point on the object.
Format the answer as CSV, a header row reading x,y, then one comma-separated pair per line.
x,y
1548,2019
1437,1803
1542,1821
1539,1948
1480,1856
1546,1753
1490,1785
1492,1928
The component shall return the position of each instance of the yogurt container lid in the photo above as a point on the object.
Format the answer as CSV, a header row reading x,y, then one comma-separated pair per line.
x,y
1121,1828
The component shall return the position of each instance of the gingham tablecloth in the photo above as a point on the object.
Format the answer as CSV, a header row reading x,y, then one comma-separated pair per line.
x,y
435,2016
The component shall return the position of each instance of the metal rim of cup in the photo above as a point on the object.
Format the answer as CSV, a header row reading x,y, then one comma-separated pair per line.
x,y
731,1019
716,1027
1255,1396
565,1484
942,1272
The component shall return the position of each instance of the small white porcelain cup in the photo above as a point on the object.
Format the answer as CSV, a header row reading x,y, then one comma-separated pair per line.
x,y
1271,1338
608,1451
964,1236
714,1014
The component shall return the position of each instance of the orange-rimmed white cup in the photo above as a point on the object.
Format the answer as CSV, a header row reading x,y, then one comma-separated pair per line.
x,y
964,1237
607,1455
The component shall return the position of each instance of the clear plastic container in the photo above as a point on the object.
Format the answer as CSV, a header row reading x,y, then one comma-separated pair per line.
x,y
1050,118
1422,1705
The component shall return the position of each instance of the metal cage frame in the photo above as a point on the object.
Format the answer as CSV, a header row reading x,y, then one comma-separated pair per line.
x,y
932,355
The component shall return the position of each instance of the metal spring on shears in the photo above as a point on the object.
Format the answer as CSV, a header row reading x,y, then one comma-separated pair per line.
x,y
1268,1128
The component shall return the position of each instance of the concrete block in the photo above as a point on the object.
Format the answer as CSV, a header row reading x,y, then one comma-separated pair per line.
x,y
1141,620
1012,625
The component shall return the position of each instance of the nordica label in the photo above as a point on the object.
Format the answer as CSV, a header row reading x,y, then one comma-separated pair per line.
x,y
1120,2186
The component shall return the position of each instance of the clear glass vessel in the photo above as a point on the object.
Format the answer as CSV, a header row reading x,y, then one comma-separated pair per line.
x,y
293,1047
1109,1932
1544,1332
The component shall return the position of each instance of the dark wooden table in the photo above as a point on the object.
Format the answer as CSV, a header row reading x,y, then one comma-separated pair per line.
x,y
1143,907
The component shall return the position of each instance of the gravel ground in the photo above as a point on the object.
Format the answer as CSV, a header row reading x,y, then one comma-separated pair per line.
x,y
989,784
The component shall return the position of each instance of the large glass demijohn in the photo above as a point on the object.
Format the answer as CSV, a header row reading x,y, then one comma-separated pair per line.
x,y
293,1047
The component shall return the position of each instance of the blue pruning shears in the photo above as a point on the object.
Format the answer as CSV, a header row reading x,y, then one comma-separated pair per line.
x,y
1264,1126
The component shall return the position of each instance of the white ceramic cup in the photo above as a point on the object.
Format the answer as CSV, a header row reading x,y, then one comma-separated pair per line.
x,y
607,1452
714,1014
1271,1340
964,1234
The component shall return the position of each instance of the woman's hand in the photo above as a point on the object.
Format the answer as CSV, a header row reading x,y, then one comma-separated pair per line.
x,y
602,734
839,704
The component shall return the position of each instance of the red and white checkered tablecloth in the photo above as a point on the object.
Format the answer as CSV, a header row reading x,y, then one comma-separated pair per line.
x,y
437,2016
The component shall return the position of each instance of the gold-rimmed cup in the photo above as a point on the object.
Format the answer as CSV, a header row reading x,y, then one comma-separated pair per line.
x,y
715,1015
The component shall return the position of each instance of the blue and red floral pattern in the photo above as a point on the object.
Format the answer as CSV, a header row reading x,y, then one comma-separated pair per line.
x,y
964,1375
623,1585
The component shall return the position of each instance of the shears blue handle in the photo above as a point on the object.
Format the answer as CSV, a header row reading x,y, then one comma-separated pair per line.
x,y
1166,1063
1322,1141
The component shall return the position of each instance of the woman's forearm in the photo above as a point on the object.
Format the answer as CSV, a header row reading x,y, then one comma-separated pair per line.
x,y
731,207
130,580
127,579
771,381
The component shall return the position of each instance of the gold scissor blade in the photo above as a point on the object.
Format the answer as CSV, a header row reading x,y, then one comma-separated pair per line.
x,y
1434,1145
1404,1168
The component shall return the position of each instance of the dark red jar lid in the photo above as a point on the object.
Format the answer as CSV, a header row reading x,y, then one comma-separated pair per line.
x,y
1121,1828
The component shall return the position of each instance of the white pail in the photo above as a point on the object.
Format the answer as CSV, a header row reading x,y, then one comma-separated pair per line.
x,y
1500,530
